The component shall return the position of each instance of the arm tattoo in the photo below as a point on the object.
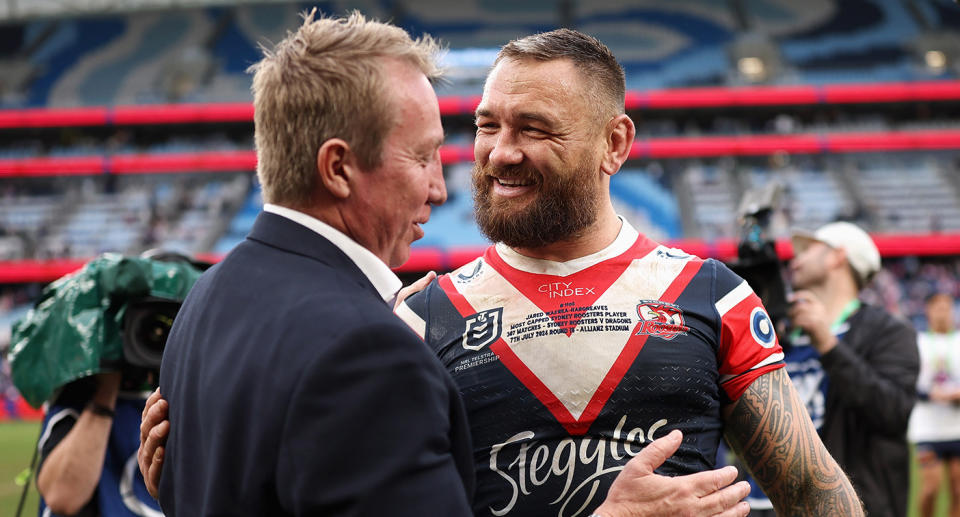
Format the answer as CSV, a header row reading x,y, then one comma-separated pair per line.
x,y
768,427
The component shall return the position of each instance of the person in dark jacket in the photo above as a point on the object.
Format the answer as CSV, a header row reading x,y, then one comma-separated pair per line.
x,y
855,365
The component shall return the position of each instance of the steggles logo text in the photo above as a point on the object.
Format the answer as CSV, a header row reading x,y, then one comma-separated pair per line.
x,y
533,464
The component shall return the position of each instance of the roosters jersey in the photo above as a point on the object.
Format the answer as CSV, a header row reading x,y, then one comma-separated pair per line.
x,y
569,369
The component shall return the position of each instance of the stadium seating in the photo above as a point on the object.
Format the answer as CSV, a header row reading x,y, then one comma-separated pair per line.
x,y
241,222
654,208
812,197
910,194
714,196
201,56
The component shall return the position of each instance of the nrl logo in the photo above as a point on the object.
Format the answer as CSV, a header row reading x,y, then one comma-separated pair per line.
x,y
483,328
660,319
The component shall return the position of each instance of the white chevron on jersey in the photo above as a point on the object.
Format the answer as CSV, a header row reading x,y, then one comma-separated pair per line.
x,y
616,303
580,364
573,367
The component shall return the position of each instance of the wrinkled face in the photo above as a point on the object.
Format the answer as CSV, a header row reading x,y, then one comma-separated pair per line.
x,y
539,143
394,199
939,311
809,266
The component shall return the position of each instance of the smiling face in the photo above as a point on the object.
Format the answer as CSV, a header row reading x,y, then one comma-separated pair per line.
x,y
537,177
394,198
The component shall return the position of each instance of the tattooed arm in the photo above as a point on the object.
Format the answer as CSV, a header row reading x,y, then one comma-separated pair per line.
x,y
768,427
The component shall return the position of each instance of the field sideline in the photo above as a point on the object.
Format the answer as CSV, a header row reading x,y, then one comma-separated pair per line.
x,y
16,447
16,450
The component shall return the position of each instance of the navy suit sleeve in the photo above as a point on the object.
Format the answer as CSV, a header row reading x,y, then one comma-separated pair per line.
x,y
368,431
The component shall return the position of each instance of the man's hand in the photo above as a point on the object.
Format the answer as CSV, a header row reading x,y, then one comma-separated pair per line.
x,y
154,428
807,312
415,287
638,491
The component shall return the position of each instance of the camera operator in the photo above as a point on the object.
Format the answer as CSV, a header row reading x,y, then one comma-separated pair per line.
x,y
88,441
853,366
857,363
90,351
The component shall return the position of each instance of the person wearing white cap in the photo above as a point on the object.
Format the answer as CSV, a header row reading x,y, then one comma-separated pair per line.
x,y
854,365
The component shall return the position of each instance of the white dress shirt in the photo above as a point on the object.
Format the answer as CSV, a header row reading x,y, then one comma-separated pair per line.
x,y
383,279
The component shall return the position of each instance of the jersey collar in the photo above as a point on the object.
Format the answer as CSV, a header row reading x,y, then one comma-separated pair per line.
x,y
625,239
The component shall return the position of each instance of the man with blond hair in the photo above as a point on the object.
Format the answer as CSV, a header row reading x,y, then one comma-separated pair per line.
x,y
292,388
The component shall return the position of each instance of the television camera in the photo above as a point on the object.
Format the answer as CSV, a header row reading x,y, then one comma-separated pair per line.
x,y
757,260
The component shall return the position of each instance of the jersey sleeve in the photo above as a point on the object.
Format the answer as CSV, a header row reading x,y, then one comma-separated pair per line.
x,y
748,340
432,314
427,312
62,413
413,312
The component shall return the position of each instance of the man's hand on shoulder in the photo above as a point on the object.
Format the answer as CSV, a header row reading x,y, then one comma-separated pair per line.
x,y
154,428
639,492
415,287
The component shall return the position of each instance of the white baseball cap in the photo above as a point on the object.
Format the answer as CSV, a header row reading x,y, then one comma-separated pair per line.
x,y
862,254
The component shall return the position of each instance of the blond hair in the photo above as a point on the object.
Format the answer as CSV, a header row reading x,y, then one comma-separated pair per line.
x,y
326,81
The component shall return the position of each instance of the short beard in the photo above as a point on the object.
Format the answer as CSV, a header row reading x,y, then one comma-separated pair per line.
x,y
565,206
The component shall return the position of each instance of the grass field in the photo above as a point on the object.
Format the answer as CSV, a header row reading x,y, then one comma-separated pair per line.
x,y
16,450
16,447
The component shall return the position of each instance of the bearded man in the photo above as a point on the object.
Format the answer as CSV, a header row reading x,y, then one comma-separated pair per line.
x,y
576,340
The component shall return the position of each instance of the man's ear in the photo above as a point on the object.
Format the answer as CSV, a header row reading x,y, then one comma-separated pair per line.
x,y
336,163
619,133
838,257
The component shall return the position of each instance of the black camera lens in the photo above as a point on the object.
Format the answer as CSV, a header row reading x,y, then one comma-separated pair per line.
x,y
147,324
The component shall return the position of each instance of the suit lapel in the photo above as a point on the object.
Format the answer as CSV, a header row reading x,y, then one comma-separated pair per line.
x,y
292,237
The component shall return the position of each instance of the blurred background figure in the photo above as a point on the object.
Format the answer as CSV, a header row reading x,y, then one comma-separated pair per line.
x,y
77,475
89,352
935,422
858,364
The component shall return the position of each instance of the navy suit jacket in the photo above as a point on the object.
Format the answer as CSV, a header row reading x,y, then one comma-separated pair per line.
x,y
294,390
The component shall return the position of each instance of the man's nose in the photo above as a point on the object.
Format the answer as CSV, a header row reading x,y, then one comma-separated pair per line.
x,y
505,151
437,194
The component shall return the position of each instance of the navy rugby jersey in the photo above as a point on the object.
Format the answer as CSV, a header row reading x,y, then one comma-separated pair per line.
x,y
569,369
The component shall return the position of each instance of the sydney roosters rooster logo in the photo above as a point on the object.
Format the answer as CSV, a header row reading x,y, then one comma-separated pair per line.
x,y
660,319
